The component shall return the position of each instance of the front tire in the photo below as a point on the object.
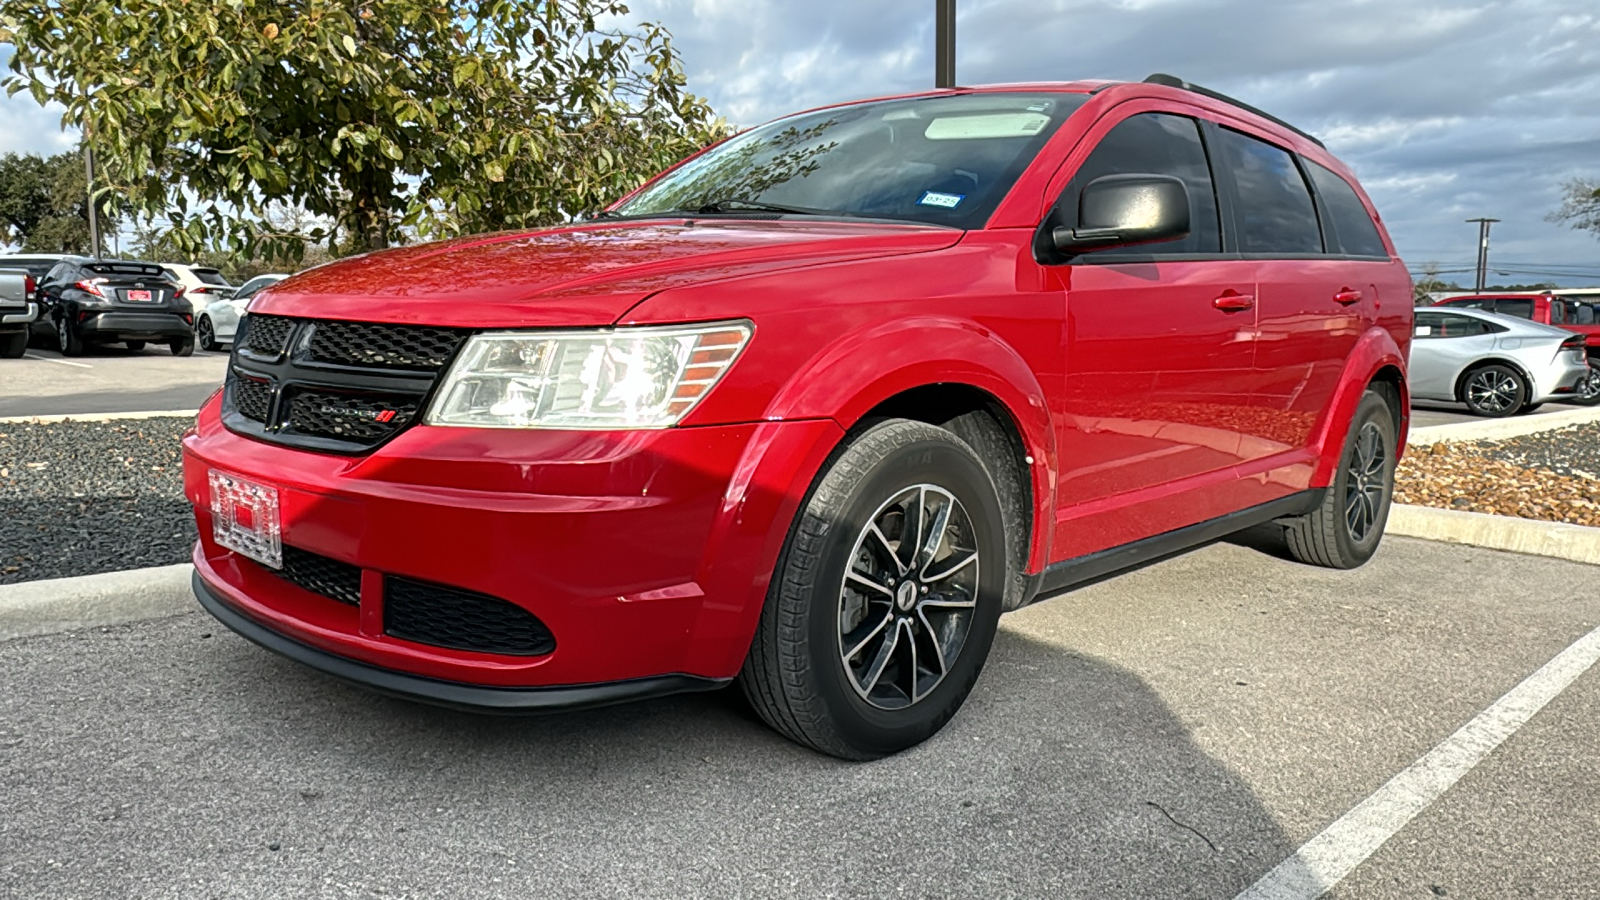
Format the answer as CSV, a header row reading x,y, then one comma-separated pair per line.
x,y
1494,391
886,598
1345,530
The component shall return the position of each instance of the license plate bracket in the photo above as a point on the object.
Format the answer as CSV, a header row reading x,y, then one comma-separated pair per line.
x,y
245,518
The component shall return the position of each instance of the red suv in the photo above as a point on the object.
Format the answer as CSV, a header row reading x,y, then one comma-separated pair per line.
x,y
1577,311
811,409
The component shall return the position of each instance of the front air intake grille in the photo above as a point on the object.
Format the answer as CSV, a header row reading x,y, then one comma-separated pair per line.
x,y
267,335
333,386
252,398
320,575
384,346
461,620
367,419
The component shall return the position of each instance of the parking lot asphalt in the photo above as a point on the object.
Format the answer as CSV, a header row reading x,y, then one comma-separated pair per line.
x,y
1425,413
106,380
1176,731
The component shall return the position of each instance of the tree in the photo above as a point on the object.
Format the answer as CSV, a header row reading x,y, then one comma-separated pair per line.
x,y
1425,287
439,117
44,204
1580,205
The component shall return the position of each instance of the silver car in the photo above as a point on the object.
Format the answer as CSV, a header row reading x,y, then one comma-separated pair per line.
x,y
1497,365
219,321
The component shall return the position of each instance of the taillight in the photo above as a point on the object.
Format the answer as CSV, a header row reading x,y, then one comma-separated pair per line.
x,y
1576,342
92,286
188,319
29,288
178,294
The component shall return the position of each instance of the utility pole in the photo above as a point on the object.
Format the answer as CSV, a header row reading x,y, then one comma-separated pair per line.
x,y
1483,250
944,52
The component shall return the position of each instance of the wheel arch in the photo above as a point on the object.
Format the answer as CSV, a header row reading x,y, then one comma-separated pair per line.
x,y
1375,360
976,372
1475,365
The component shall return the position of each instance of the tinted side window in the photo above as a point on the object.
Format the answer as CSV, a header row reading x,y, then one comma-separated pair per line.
x,y
1521,308
1465,326
1154,144
1353,227
1275,212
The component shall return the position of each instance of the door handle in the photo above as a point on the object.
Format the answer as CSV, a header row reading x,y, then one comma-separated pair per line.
x,y
1232,302
1347,296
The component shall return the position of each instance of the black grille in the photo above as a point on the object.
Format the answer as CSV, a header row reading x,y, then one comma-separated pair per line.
x,y
384,346
367,419
321,575
252,398
267,335
460,620
333,386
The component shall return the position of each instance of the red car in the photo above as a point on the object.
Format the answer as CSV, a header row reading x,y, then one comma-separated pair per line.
x,y
810,410
1577,311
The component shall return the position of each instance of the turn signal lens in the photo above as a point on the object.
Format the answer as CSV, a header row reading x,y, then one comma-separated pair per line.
x,y
601,380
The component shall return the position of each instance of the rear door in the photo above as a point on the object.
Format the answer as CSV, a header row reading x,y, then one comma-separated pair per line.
x,y
1312,306
1159,354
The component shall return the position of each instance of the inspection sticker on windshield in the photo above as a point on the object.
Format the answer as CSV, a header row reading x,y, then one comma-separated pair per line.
x,y
943,201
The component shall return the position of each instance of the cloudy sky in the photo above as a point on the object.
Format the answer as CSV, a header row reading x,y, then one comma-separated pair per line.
x,y
1446,110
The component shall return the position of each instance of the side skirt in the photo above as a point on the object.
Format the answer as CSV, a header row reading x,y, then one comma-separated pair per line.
x,y
1058,578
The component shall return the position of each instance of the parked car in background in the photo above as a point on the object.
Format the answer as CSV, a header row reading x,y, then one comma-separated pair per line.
x,y
19,307
1574,311
102,301
219,321
1496,364
811,409
37,264
203,284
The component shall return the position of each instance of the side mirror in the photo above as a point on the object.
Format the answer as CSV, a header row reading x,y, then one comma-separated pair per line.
x,y
1119,210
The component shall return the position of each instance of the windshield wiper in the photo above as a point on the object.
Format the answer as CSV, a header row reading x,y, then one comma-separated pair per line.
x,y
731,204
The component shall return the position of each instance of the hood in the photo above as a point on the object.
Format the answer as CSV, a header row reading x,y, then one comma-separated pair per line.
x,y
582,276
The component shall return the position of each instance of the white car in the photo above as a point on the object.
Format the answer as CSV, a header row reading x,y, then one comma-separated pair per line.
x,y
219,321
1497,365
201,284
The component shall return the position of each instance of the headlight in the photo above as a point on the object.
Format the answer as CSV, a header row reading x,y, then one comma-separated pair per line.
x,y
622,378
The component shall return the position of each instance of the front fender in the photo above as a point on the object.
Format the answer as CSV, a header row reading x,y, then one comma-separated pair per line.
x,y
1375,350
856,373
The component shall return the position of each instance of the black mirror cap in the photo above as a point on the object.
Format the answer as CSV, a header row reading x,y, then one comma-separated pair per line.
x,y
1123,210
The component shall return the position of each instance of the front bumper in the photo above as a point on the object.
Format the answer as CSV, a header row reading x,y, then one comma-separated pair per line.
x,y
134,326
447,693
646,554
12,316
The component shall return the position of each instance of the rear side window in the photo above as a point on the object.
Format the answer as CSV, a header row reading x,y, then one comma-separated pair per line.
x,y
1154,144
211,276
1522,308
1353,228
1445,325
1275,211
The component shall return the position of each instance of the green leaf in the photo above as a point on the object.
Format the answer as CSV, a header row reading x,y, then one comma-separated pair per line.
x,y
349,45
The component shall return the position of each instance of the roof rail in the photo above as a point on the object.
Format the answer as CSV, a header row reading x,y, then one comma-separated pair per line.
x,y
1176,82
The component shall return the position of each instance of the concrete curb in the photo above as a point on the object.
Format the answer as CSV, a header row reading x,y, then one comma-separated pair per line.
x,y
99,417
1499,429
89,601
1530,536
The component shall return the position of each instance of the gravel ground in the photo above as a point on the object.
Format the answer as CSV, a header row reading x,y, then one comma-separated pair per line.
x,y
1549,476
77,498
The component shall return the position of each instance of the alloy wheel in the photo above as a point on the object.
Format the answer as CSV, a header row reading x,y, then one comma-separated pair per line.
x,y
907,601
63,338
1491,390
1366,481
208,339
1589,388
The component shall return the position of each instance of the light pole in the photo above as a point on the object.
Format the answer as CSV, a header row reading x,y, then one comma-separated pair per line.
x,y
944,50
1483,250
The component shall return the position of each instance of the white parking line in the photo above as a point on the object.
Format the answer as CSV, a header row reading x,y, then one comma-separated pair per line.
x,y
1333,854
61,361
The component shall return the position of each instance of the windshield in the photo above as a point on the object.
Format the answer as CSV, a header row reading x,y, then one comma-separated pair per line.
x,y
944,160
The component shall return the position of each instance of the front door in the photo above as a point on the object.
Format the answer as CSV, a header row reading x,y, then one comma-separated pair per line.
x,y
1159,356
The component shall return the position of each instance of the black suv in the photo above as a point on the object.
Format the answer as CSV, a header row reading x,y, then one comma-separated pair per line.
x,y
104,301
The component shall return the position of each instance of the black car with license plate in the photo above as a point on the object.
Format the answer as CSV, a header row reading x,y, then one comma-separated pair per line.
x,y
105,301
